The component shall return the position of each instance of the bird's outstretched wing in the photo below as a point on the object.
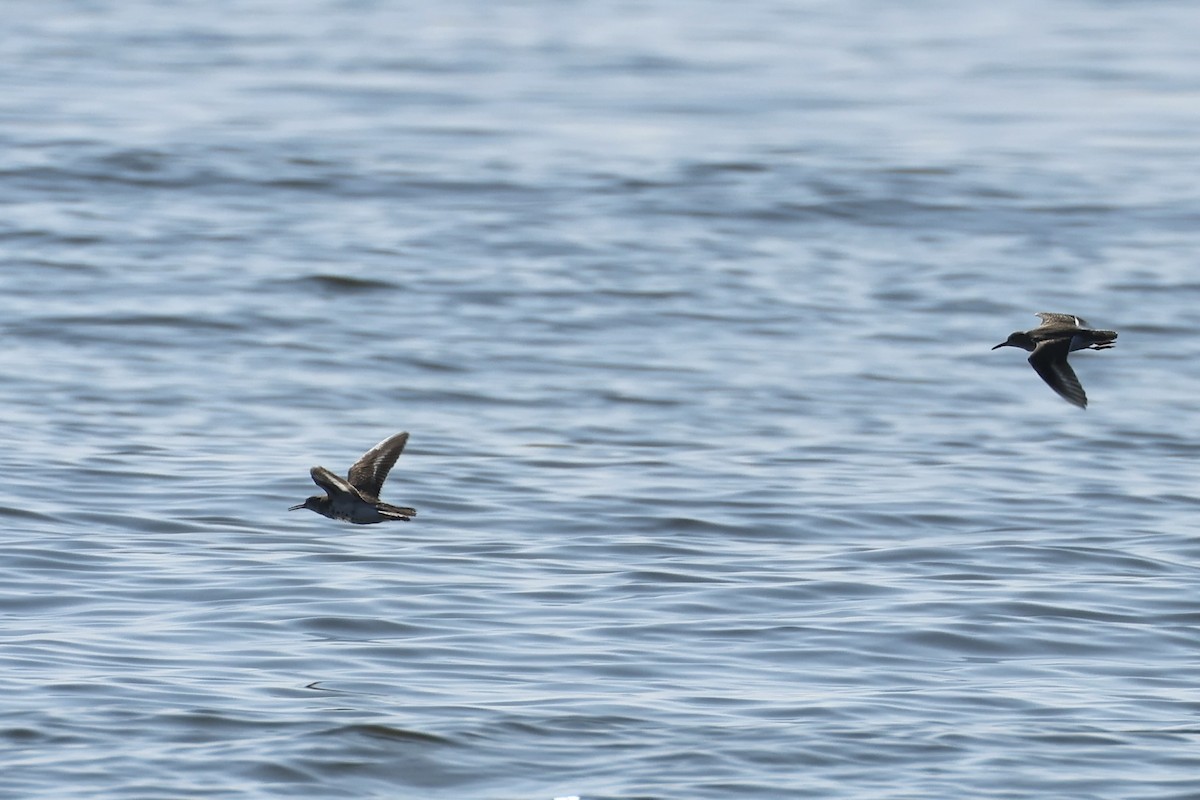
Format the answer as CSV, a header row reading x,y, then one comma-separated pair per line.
x,y
369,472
332,484
1050,318
1049,360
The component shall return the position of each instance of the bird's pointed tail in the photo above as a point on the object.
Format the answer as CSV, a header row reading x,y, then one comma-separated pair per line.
x,y
395,512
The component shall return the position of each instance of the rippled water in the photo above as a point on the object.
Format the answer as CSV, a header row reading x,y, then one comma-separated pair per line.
x,y
688,308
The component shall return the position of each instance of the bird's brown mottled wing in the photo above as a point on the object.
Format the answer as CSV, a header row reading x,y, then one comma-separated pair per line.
x,y
1050,318
1049,360
369,472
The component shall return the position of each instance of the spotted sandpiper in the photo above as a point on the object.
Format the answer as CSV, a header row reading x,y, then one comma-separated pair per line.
x,y
357,499
1050,343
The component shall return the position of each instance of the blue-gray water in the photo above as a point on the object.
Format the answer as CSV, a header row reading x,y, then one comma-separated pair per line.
x,y
688,307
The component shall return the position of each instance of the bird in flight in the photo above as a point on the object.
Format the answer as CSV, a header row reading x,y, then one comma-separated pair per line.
x,y
1050,342
355,498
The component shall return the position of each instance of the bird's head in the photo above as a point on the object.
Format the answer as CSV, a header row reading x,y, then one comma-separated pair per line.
x,y
311,502
1019,339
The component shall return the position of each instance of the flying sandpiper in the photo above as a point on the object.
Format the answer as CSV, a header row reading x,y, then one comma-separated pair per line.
x,y
1050,343
356,497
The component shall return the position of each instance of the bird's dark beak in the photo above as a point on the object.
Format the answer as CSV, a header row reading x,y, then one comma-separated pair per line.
x,y
293,508
997,347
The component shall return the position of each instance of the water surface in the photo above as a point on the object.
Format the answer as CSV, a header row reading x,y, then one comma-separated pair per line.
x,y
688,308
